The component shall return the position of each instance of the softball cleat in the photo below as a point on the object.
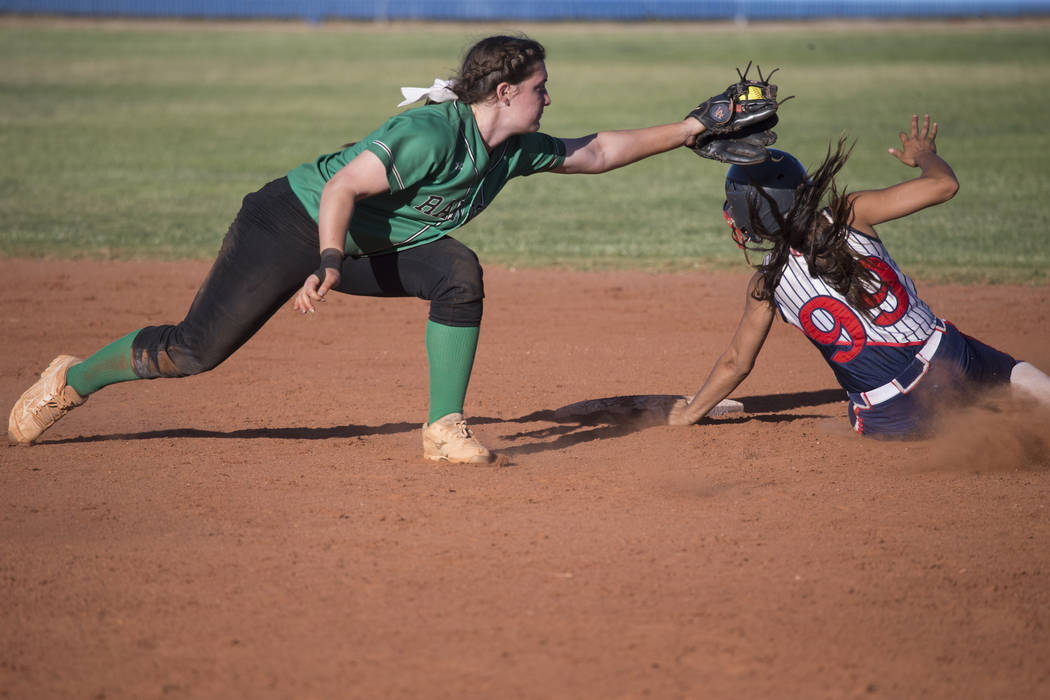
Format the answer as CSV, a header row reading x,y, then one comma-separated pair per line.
x,y
44,403
448,439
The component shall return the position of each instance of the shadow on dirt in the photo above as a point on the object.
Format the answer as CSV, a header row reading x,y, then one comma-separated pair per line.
x,y
583,421
338,431
772,403
601,426
617,416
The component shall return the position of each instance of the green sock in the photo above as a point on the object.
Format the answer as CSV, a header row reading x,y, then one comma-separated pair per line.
x,y
109,365
450,353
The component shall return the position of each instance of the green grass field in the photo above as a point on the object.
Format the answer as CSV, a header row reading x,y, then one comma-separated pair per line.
x,y
138,140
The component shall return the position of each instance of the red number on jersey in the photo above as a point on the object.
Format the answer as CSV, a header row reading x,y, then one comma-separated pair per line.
x,y
845,320
891,283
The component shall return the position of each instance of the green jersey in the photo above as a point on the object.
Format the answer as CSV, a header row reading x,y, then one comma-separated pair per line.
x,y
440,173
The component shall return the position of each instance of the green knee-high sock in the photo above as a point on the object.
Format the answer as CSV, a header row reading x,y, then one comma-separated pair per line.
x,y
109,365
450,353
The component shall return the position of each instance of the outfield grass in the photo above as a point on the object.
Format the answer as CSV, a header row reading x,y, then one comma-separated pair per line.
x,y
138,140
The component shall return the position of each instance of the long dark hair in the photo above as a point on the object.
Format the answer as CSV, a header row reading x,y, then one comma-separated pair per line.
x,y
823,244
495,60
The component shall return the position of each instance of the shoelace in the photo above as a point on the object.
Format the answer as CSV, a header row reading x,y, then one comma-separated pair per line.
x,y
55,404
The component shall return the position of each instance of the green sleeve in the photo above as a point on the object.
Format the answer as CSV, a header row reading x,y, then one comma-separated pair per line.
x,y
538,153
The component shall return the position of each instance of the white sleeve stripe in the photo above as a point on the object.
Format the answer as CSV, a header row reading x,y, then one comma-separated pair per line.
x,y
393,168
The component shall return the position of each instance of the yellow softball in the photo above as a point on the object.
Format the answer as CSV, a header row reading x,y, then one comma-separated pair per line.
x,y
753,93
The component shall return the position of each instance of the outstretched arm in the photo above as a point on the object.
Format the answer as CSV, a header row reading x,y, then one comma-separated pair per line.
x,y
734,364
935,184
743,105
608,150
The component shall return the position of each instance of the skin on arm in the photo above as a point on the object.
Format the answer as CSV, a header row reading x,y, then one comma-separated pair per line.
x,y
364,176
518,108
608,150
735,363
936,183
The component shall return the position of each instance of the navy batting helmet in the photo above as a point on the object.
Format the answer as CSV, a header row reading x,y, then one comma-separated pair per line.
x,y
779,177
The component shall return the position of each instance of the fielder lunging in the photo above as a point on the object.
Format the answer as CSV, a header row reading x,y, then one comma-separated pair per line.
x,y
378,216
829,274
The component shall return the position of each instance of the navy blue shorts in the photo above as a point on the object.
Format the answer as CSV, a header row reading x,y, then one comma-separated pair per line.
x,y
959,370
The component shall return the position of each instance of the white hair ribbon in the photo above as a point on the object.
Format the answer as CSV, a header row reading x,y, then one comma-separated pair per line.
x,y
440,91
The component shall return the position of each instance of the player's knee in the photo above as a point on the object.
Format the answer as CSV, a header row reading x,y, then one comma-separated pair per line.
x,y
458,300
1031,380
194,361
168,351
465,278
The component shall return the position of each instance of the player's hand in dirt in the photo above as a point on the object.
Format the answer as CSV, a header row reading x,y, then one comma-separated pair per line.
x,y
680,413
918,142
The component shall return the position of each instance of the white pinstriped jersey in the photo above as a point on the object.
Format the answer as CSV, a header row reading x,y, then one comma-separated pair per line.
x,y
864,351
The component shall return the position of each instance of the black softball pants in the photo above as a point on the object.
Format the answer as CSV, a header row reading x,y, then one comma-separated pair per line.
x,y
269,250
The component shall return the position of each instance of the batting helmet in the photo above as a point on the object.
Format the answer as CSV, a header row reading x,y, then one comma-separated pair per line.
x,y
779,177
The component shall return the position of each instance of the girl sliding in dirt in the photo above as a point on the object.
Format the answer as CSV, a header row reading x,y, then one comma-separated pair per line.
x,y
827,272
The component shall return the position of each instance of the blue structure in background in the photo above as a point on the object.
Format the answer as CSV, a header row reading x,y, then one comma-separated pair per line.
x,y
530,10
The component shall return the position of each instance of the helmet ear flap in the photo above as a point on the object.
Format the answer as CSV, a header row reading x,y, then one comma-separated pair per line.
x,y
740,236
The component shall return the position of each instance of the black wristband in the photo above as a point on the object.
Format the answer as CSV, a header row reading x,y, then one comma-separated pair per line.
x,y
330,257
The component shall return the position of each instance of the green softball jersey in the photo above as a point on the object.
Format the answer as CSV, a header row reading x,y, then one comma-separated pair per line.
x,y
440,173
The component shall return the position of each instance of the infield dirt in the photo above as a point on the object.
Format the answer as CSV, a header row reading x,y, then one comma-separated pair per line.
x,y
270,530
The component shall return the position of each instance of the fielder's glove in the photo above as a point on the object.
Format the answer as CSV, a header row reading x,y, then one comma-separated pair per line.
x,y
747,147
741,105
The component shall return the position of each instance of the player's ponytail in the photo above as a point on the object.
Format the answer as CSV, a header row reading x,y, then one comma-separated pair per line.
x,y
820,234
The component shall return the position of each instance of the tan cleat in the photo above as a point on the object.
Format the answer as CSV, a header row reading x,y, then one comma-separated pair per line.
x,y
448,439
44,403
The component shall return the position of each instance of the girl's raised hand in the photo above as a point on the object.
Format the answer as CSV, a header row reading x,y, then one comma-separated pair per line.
x,y
917,142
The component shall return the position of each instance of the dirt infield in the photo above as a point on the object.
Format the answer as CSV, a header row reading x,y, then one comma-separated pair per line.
x,y
269,530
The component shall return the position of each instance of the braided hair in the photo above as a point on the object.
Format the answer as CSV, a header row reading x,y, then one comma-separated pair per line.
x,y
495,60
